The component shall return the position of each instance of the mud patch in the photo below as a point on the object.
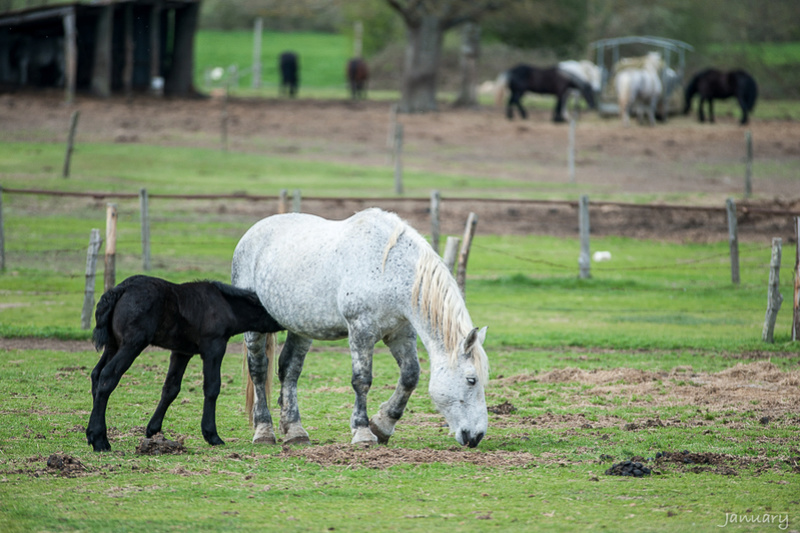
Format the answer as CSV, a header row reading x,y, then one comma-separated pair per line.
x,y
64,465
158,445
381,457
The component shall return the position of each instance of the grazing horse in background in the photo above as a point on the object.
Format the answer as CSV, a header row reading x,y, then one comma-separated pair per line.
x,y
368,278
585,71
639,87
357,77
523,78
289,65
712,83
198,317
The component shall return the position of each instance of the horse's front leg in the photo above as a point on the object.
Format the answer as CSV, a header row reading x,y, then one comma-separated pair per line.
x,y
258,368
701,115
290,365
403,345
362,344
558,112
711,110
212,381
170,390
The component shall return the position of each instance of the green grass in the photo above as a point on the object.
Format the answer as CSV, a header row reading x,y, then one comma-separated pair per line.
x,y
322,57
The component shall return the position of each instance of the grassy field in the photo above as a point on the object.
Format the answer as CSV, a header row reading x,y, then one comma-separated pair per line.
x,y
657,352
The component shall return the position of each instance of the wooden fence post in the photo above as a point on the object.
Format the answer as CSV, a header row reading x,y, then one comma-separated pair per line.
x,y
109,277
296,201
463,254
283,201
748,168
733,239
435,201
584,259
73,125
224,118
796,306
257,32
392,128
2,235
451,252
91,267
398,159
144,208
571,150
774,298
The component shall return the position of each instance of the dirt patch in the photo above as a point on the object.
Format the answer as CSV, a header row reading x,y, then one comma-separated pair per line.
x,y
381,457
158,445
480,143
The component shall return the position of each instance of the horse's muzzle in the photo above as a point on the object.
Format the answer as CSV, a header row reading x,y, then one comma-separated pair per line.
x,y
467,439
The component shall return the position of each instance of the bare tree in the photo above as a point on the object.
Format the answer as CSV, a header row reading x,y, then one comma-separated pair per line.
x,y
426,23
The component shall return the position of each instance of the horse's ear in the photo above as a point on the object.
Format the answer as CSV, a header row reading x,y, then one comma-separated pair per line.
x,y
476,335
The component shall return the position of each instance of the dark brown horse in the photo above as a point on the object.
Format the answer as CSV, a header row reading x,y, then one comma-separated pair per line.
x,y
523,78
357,77
289,65
191,318
712,83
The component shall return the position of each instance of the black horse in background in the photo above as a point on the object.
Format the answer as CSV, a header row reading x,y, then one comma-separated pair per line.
x,y
357,77
289,65
712,83
523,78
191,318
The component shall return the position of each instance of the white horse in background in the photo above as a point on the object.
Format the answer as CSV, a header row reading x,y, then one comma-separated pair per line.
x,y
639,87
584,70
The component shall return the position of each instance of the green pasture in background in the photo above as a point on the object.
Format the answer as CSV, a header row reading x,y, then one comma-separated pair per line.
x,y
525,288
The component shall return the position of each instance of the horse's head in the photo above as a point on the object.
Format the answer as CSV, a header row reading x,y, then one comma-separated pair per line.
x,y
457,390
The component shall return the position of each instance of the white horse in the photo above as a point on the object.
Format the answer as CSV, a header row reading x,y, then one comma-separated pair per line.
x,y
370,277
585,71
639,87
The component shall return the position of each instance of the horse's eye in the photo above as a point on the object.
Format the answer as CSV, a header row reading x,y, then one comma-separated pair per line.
x,y
472,381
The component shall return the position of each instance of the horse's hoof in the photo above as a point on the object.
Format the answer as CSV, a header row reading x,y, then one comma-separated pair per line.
x,y
216,441
383,437
364,436
298,441
265,439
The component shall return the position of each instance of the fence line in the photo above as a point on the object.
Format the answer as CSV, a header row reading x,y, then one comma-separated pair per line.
x,y
744,208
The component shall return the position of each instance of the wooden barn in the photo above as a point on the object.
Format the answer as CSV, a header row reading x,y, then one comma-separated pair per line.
x,y
101,47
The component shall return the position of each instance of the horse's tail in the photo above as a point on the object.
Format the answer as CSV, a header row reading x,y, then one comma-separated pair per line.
x,y
689,92
249,393
102,317
500,88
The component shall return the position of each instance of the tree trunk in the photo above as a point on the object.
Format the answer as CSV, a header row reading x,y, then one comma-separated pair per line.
x,y
470,50
421,66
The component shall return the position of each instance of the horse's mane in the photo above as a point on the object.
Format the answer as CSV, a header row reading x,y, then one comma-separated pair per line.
x,y
439,301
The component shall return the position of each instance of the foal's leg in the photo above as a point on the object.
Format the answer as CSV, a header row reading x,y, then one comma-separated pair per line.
x,y
170,390
107,380
257,364
290,365
403,345
212,381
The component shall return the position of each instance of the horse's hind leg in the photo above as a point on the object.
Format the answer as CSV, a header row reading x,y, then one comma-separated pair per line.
x,y
403,346
212,382
290,365
711,110
107,381
170,390
258,367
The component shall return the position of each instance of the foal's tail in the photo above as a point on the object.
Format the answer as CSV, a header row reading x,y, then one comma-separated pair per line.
x,y
249,393
103,315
